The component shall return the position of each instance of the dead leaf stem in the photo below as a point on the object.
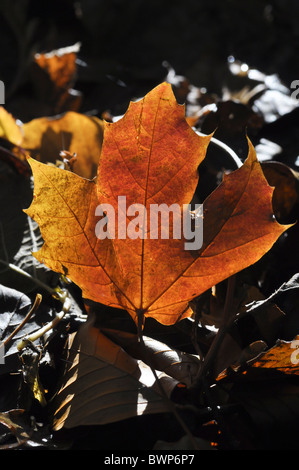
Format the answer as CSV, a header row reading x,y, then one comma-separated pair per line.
x,y
34,308
224,147
228,319
171,406
25,274
48,326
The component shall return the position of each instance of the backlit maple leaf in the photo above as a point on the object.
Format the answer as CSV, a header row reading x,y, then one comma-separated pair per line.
x,y
151,156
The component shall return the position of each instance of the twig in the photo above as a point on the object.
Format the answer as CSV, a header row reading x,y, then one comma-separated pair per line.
x,y
227,311
194,335
50,325
224,147
228,319
25,274
169,403
35,306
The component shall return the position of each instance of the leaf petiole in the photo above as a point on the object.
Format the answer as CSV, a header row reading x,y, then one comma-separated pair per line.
x,y
224,147
25,274
48,326
33,309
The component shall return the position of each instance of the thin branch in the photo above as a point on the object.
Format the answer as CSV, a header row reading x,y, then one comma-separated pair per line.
x,y
25,274
224,147
48,326
171,406
35,306
227,321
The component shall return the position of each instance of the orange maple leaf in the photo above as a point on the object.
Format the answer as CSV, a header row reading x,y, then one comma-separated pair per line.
x,y
151,156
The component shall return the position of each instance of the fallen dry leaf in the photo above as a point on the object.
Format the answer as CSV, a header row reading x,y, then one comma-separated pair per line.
x,y
54,74
177,364
151,156
286,183
9,128
73,132
103,383
284,357
14,421
60,65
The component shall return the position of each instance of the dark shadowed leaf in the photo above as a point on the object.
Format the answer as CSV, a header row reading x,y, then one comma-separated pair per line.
x,y
104,383
14,306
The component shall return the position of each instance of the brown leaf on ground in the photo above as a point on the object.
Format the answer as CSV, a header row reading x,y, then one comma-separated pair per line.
x,y
103,383
175,363
286,183
9,129
282,357
73,132
54,74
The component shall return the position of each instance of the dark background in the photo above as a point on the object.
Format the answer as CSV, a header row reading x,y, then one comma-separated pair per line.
x,y
124,43
124,46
